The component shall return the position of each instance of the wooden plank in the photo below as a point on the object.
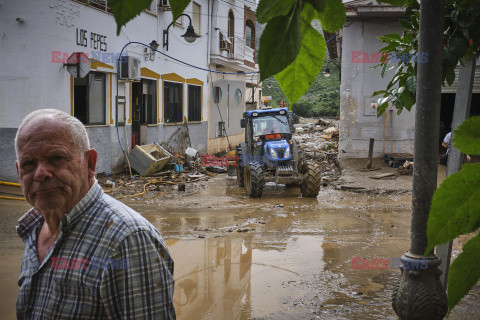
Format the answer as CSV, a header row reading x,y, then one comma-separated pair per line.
x,y
383,175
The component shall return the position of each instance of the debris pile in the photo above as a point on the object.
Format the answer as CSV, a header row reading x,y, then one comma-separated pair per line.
x,y
406,169
122,186
162,170
319,142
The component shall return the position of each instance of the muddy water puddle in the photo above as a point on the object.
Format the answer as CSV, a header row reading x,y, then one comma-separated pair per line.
x,y
281,256
278,257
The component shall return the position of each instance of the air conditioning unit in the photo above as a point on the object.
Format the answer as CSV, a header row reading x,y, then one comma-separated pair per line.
x,y
163,5
225,45
130,68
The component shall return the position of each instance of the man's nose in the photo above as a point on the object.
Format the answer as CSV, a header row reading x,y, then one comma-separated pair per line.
x,y
43,171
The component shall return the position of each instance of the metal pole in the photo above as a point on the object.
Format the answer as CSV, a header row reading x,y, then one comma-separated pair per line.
x,y
420,294
370,153
391,131
463,100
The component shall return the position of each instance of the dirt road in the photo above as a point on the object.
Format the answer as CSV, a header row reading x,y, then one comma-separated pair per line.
x,y
279,257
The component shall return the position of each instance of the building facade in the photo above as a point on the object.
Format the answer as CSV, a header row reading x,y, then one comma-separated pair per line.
x,y
162,96
393,133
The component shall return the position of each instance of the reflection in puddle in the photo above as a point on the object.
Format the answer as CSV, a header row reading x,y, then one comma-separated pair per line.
x,y
219,278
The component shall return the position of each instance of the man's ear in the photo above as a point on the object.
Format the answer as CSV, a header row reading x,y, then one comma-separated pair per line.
x,y
92,162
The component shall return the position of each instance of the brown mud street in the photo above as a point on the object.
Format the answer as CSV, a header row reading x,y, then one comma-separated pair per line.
x,y
277,257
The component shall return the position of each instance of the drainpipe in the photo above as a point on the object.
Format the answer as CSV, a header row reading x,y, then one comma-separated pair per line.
x,y
420,294
209,39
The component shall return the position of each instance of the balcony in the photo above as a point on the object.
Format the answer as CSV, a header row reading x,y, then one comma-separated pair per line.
x,y
232,52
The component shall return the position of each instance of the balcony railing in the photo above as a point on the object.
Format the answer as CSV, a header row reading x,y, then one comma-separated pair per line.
x,y
235,48
99,4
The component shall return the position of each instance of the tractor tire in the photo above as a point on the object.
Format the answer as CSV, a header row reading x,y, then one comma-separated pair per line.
x,y
254,180
302,164
240,176
240,168
311,181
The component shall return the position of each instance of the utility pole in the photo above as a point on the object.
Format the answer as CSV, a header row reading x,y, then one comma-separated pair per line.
x,y
420,294
461,111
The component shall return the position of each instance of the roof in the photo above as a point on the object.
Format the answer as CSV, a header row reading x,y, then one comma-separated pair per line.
x,y
366,9
276,110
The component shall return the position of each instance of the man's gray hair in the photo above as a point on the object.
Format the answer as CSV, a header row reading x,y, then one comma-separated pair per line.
x,y
74,126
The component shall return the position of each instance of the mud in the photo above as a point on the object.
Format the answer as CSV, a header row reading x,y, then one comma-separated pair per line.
x,y
278,257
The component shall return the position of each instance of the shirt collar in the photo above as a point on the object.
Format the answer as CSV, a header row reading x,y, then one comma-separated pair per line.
x,y
30,220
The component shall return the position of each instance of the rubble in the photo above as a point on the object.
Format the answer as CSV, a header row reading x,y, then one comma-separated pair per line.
x,y
319,142
406,169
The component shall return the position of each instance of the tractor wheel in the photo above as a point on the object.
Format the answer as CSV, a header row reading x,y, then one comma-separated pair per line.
x,y
240,178
302,164
254,180
240,168
311,180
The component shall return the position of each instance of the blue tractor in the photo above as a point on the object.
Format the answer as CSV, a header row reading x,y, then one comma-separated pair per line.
x,y
269,154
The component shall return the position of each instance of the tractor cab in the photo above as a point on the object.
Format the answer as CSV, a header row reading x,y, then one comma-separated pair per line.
x,y
268,135
269,154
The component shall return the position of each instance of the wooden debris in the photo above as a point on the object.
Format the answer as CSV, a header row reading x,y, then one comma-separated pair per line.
x,y
390,175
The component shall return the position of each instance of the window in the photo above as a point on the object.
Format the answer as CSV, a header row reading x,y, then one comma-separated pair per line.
x,y
121,110
194,103
250,34
89,98
149,95
196,17
179,22
231,25
172,102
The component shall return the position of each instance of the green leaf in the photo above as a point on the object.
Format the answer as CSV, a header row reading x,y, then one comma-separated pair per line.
x,y
455,207
178,6
319,5
269,9
390,37
384,69
411,83
279,44
382,106
407,99
450,76
125,10
405,24
464,272
467,136
376,93
300,74
334,15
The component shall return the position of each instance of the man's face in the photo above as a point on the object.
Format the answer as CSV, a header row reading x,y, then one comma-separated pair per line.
x,y
53,173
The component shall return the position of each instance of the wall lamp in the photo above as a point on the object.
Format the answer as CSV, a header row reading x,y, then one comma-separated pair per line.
x,y
326,72
189,36
150,53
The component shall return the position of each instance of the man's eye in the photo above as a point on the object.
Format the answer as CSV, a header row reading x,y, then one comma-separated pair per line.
x,y
58,158
27,164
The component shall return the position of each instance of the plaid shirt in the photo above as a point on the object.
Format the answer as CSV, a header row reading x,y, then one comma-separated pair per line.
x,y
108,262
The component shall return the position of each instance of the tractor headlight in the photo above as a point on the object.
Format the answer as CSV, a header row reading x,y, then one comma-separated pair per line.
x,y
287,153
273,154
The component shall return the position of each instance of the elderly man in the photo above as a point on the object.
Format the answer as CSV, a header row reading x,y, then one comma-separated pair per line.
x,y
87,256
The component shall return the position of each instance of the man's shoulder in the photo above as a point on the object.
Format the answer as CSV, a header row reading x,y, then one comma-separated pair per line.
x,y
121,221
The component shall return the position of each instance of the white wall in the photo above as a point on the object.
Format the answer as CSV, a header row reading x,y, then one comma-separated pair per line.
x,y
358,122
28,78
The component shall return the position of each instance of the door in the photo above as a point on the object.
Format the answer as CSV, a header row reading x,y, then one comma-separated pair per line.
x,y
137,102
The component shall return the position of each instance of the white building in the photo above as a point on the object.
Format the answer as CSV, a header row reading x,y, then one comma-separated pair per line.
x,y
360,46
37,37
